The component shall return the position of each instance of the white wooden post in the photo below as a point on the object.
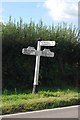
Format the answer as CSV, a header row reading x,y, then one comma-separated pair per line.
x,y
36,75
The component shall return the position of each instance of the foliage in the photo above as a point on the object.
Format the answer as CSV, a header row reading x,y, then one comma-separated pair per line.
x,y
18,69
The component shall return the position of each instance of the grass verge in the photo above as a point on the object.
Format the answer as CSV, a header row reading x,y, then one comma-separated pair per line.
x,y
45,99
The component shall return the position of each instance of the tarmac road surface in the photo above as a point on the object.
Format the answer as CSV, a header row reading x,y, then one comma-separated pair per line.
x,y
64,112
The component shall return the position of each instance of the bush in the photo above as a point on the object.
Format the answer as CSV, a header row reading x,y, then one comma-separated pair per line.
x,y
62,70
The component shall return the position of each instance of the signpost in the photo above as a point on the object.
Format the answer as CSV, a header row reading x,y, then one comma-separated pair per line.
x,y
38,53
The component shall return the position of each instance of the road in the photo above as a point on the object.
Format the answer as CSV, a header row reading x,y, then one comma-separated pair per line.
x,y
65,112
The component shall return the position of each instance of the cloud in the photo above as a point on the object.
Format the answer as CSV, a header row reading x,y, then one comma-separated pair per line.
x,y
62,9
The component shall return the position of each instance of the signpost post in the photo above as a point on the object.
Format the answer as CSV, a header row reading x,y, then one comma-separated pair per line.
x,y
38,53
36,75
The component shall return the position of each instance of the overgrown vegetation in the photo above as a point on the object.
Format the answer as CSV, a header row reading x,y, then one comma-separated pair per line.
x,y
18,69
15,101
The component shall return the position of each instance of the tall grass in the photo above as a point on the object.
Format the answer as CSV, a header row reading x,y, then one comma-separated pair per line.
x,y
49,98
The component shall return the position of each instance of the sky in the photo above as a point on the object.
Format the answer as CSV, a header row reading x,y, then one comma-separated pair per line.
x,y
50,11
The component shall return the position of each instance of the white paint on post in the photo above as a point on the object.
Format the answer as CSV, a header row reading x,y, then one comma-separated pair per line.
x,y
36,75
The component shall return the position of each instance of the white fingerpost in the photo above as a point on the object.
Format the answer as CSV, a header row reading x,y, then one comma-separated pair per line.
x,y
38,53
